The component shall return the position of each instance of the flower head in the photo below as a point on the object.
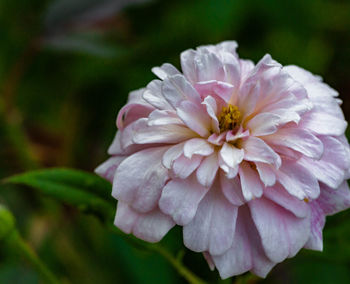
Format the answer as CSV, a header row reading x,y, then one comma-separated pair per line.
x,y
249,159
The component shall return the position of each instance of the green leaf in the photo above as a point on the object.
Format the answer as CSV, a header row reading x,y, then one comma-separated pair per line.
x,y
86,191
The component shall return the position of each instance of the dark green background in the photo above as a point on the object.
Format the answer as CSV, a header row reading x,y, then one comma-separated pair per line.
x,y
66,68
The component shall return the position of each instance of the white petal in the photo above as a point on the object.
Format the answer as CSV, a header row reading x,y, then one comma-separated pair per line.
x,y
153,95
213,226
180,199
297,139
282,234
298,180
207,170
150,227
140,178
195,117
263,124
250,182
171,133
176,88
184,167
172,154
231,155
197,146
256,150
232,190
165,70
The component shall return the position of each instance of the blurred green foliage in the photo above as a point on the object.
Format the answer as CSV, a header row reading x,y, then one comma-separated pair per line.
x,y
66,68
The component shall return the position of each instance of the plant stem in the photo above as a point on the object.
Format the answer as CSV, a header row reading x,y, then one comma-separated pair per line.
x,y
175,262
17,243
181,269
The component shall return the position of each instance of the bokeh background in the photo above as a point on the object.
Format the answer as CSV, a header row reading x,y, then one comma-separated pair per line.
x,y
66,68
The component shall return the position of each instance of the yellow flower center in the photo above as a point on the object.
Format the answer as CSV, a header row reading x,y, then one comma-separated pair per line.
x,y
229,118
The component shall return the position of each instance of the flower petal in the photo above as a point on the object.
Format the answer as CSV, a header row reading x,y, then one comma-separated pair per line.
x,y
171,133
183,167
165,70
153,95
108,168
281,197
246,252
213,226
298,180
232,190
197,146
250,182
194,117
140,178
297,139
263,124
334,200
150,227
282,234
176,89
231,155
180,199
207,170
256,150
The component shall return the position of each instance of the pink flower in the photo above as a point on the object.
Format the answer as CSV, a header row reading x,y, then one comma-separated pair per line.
x,y
249,159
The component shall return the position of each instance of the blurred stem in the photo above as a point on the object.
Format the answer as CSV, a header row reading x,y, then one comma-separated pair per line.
x,y
22,248
178,265
174,261
12,117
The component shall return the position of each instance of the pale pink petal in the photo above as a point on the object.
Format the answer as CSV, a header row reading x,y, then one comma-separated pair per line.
x,y
153,95
165,70
163,117
176,89
180,199
231,155
209,260
256,150
221,91
183,167
298,180
150,227
140,178
213,226
188,66
334,200
246,252
171,133
323,124
217,139
282,233
194,117
108,168
266,173
299,140
197,146
172,154
232,190
280,196
207,170
318,220
331,169
263,124
250,182
132,112
212,111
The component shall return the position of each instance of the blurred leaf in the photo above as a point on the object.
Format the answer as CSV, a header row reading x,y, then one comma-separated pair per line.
x,y
62,13
86,191
92,43
7,222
